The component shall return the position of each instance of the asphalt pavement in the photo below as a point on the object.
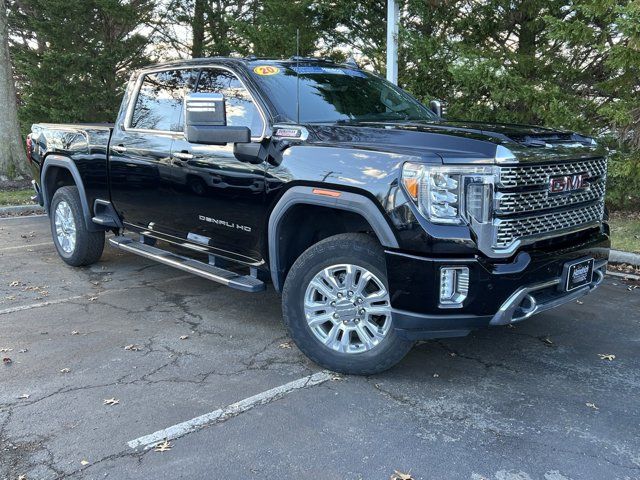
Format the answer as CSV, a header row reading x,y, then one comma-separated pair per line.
x,y
100,359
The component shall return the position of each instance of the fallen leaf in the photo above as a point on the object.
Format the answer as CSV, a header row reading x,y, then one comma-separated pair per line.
x,y
111,401
24,396
6,350
511,325
452,354
65,370
24,350
22,477
93,299
15,283
607,356
592,405
397,475
133,347
435,375
184,337
163,447
285,345
547,340
337,377
7,361
75,332
84,462
579,302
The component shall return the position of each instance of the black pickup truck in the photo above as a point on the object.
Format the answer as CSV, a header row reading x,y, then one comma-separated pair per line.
x,y
378,221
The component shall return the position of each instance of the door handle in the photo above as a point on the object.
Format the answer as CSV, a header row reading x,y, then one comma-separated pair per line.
x,y
119,148
183,155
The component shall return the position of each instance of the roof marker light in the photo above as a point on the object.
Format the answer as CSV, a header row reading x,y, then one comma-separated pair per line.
x,y
326,193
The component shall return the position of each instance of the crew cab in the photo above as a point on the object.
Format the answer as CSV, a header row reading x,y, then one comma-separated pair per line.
x,y
378,221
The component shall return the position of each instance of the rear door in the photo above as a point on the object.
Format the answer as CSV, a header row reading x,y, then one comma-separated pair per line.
x,y
140,150
222,195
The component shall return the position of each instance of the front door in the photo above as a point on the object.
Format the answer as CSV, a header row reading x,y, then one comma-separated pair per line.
x,y
140,154
220,190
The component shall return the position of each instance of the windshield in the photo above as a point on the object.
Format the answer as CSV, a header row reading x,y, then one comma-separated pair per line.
x,y
331,94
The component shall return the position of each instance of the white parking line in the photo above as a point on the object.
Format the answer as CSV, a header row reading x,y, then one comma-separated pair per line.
x,y
222,414
18,247
86,295
38,305
23,217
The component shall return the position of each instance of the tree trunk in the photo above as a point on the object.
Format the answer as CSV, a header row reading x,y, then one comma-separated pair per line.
x,y
197,48
12,157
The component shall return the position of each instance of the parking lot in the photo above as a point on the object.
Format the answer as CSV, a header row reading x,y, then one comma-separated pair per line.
x,y
537,401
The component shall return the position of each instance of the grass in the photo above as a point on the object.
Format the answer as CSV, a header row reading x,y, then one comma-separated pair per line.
x,y
625,231
16,197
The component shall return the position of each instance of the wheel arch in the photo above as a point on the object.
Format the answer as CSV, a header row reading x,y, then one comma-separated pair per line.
x,y
353,204
53,164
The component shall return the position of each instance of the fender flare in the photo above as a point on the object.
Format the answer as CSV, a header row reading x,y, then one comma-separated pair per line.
x,y
348,201
67,164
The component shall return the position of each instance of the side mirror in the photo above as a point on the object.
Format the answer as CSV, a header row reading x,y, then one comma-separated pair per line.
x,y
205,121
436,107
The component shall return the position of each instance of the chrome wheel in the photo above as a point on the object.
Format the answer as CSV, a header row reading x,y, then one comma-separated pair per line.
x,y
347,308
65,227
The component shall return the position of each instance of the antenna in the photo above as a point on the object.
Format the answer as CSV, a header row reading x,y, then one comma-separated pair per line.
x,y
298,76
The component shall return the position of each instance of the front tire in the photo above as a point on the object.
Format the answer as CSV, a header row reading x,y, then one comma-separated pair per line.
x,y
76,245
337,309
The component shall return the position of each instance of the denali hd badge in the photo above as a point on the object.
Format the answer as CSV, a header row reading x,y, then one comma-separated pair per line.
x,y
224,223
567,183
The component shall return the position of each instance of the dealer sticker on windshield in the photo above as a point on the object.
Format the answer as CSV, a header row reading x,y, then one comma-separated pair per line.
x,y
266,70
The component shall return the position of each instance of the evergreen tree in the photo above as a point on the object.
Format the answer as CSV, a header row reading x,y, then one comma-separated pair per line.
x,y
74,56
11,153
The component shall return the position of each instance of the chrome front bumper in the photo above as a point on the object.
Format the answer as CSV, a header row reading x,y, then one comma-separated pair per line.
x,y
530,300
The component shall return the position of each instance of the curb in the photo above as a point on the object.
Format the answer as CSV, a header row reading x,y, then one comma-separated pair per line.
x,y
18,209
616,256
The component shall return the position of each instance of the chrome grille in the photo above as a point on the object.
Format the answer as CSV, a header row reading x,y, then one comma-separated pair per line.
x,y
538,175
522,202
525,211
510,230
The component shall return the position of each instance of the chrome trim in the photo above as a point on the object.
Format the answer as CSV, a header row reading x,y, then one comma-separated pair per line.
x,y
182,155
507,312
210,272
142,73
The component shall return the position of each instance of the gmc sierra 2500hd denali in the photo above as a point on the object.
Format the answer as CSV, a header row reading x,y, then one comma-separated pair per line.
x,y
378,221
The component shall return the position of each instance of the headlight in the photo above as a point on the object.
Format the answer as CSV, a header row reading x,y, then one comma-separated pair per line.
x,y
450,195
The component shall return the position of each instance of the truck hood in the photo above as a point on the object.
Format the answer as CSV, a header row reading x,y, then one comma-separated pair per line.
x,y
458,142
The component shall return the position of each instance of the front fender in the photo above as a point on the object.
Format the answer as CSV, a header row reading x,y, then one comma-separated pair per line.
x,y
348,201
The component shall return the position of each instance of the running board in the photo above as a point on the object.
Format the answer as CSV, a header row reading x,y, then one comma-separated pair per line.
x,y
246,283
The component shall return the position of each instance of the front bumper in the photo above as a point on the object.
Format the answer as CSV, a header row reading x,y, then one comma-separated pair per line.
x,y
499,292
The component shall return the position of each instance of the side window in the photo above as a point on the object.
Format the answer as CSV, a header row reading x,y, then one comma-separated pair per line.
x,y
159,102
241,111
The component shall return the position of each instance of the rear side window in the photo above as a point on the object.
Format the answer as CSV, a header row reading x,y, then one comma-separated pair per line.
x,y
159,102
241,111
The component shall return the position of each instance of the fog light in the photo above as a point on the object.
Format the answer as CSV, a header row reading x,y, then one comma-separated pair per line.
x,y
454,286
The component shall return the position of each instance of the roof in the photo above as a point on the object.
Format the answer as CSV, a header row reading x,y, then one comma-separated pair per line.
x,y
245,62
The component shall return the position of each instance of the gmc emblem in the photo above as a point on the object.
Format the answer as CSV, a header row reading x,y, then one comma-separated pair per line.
x,y
567,183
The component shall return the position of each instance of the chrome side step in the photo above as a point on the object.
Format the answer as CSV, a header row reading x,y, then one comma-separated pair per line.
x,y
246,283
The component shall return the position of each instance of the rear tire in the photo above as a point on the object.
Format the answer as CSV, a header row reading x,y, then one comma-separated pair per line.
x,y
76,245
343,279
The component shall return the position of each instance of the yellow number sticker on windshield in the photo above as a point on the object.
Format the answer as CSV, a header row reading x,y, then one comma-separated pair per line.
x,y
266,70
